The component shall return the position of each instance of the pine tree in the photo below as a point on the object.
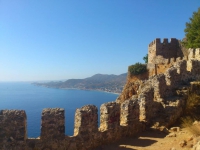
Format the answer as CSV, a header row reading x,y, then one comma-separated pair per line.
x,y
192,31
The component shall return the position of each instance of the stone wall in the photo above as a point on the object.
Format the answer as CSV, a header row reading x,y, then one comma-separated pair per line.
x,y
13,129
159,52
155,69
87,135
154,102
160,94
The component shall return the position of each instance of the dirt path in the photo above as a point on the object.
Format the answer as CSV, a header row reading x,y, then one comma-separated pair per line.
x,y
153,140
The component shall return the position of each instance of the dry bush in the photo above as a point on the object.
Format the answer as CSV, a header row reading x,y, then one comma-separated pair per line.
x,y
187,122
191,114
192,105
195,129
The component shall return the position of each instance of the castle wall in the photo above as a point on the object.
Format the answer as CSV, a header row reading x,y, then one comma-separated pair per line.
x,y
87,135
164,92
13,129
159,52
197,54
151,50
130,124
160,86
86,127
127,108
86,116
155,102
53,124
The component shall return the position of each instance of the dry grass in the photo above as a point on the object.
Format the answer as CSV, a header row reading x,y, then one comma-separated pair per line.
x,y
188,122
192,114
192,105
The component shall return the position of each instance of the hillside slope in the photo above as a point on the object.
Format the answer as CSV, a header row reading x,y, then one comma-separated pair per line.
x,y
102,82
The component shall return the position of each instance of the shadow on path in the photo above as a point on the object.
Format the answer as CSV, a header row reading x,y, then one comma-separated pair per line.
x,y
143,139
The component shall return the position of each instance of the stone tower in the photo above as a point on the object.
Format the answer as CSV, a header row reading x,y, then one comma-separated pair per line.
x,y
160,52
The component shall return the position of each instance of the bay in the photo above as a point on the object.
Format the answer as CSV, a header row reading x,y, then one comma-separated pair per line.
x,y
33,99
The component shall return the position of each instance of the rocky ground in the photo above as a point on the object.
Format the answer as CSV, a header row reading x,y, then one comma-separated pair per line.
x,y
176,139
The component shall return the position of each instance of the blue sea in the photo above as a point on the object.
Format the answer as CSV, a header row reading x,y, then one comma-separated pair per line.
x,y
33,99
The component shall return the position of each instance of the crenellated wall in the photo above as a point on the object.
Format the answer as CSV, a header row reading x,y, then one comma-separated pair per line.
x,y
160,94
157,102
159,52
160,64
13,129
87,135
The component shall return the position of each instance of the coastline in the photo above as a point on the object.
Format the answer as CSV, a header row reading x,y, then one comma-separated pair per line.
x,y
87,90
78,89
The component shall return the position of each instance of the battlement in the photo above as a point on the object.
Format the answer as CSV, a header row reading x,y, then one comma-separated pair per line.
x,y
117,120
157,67
194,53
158,51
87,135
164,41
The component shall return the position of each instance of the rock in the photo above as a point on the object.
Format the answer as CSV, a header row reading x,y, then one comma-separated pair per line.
x,y
190,145
196,147
196,140
164,129
183,143
190,138
171,135
196,123
12,139
175,129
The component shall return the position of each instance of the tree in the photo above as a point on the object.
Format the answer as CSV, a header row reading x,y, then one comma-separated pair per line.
x,y
137,68
192,31
145,58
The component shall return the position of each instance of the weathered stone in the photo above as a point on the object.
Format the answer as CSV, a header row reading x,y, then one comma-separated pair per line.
x,y
175,129
110,116
183,143
171,134
196,146
12,129
155,98
165,50
53,124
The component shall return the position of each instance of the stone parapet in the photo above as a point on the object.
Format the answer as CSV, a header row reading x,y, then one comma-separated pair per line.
x,y
147,102
159,52
110,116
53,124
86,116
13,129
87,135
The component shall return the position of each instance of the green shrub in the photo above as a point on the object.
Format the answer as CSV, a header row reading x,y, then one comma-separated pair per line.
x,y
145,58
137,68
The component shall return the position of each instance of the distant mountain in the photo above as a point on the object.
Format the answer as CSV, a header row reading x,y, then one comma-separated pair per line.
x,y
101,82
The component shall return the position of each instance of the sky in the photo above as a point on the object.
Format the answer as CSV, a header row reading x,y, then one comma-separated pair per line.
x,y
75,39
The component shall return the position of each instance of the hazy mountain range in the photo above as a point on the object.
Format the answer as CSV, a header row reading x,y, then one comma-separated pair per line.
x,y
102,82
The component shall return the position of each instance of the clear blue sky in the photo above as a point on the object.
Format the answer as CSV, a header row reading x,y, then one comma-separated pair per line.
x,y
64,39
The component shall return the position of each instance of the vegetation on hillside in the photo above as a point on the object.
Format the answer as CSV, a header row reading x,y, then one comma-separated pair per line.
x,y
102,82
192,113
192,31
137,68
145,58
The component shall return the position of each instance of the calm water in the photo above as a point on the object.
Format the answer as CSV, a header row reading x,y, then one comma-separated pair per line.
x,y
33,99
